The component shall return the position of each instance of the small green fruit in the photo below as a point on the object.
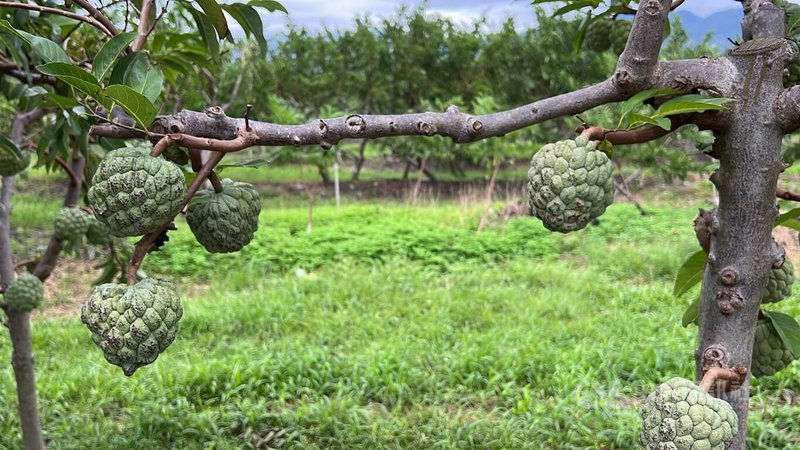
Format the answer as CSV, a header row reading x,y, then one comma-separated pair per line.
x,y
226,221
25,294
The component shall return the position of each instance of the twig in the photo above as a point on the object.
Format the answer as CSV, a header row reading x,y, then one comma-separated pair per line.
x,y
100,17
735,377
72,175
144,25
59,12
787,195
215,182
144,244
676,4
635,136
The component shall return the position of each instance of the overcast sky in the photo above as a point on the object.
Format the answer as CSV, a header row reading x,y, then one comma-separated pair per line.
x,y
339,14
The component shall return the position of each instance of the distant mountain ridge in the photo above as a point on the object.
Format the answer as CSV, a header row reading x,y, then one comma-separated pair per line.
x,y
724,24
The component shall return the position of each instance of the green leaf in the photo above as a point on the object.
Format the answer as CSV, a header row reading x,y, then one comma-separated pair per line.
x,y
48,50
690,273
252,163
134,103
9,147
131,71
153,83
253,20
788,329
636,120
637,100
692,313
787,217
215,15
692,103
575,5
269,5
234,12
207,33
72,75
108,54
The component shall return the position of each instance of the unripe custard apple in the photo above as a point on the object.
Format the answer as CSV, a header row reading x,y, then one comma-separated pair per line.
x,y
71,224
133,324
12,165
25,293
779,283
681,416
770,354
134,193
225,221
570,184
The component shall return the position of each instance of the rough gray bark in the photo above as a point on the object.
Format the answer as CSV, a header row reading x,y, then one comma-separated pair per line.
x,y
19,326
741,251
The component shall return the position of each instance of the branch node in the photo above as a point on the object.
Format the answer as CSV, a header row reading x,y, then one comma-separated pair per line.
x,y
729,276
714,356
323,128
296,141
425,128
729,301
325,145
451,109
475,126
215,112
356,124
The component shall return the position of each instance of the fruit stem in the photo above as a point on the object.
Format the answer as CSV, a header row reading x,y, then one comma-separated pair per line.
x,y
144,244
215,182
735,377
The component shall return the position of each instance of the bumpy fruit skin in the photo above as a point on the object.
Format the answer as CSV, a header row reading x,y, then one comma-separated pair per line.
x,y
11,165
680,416
133,324
570,184
98,233
134,193
770,355
779,283
225,222
605,34
25,293
71,224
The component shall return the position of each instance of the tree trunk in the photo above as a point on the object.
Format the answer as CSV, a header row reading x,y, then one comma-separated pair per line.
x,y
741,252
19,326
323,173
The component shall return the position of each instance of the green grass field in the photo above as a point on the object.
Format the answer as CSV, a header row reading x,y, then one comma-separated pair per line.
x,y
404,329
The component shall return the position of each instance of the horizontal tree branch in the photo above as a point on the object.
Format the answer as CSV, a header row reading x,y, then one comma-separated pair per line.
x,y
787,109
100,17
59,12
712,76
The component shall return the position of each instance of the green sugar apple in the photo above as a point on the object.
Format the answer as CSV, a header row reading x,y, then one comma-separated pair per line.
x,y
680,416
134,193
570,184
71,224
770,354
606,34
98,233
225,221
779,283
11,165
25,293
133,324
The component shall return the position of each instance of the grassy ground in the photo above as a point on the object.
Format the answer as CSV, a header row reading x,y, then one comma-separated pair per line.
x,y
388,327
404,329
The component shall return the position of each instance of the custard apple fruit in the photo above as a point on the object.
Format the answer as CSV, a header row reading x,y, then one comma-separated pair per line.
x,y
680,416
71,224
605,34
134,193
770,354
98,233
225,221
11,165
570,184
779,283
25,293
133,324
